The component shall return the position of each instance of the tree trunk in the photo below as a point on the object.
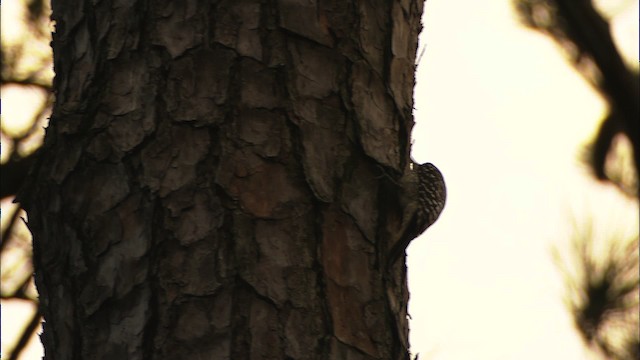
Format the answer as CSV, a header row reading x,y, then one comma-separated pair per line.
x,y
217,180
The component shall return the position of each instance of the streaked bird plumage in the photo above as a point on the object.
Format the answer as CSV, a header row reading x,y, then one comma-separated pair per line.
x,y
423,196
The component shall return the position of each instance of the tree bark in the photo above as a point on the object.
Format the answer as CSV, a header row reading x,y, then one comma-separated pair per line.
x,y
217,180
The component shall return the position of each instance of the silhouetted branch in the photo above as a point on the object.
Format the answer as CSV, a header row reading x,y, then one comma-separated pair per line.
x,y
590,32
8,229
578,27
14,173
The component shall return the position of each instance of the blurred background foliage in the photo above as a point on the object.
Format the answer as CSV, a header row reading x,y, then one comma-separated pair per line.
x,y
27,75
602,280
601,270
582,31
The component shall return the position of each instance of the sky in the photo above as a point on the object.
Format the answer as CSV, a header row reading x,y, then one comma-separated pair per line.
x,y
503,115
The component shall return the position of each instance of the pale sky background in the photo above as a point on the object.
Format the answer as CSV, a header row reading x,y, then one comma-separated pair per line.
x,y
503,115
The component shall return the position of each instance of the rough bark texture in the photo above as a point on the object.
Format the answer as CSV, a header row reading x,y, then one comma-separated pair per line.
x,y
212,184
